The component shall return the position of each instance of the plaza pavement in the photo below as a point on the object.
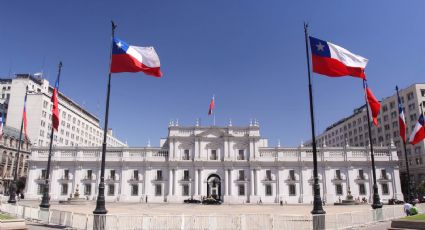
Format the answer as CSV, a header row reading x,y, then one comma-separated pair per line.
x,y
198,209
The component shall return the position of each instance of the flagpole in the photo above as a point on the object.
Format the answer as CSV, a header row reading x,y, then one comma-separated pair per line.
x,y
45,200
409,192
13,185
376,200
317,201
100,204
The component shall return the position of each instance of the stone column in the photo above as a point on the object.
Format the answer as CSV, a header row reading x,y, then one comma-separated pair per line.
x,y
144,181
174,181
256,182
277,185
252,183
201,185
196,150
12,165
170,182
226,180
5,165
196,182
230,182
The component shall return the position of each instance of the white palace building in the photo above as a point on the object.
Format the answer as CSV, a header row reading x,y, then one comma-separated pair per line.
x,y
232,163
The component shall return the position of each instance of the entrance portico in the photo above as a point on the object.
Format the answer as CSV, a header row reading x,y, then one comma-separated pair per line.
x,y
214,186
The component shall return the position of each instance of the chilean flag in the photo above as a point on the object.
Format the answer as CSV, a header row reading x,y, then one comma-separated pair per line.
x,y
334,61
373,104
127,58
55,108
401,120
212,104
1,124
418,133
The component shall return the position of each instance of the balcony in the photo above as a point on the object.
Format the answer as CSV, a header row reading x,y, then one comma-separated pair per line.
x,y
64,179
360,178
268,179
384,178
111,179
186,180
158,179
134,180
185,158
88,179
241,180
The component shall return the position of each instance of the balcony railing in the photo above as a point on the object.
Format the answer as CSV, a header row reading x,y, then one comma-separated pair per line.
x,y
241,158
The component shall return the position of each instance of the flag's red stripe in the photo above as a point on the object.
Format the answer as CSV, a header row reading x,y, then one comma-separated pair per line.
x,y
334,68
419,136
55,109
402,128
24,117
126,63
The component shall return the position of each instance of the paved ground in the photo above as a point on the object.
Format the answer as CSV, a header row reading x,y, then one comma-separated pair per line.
x,y
191,209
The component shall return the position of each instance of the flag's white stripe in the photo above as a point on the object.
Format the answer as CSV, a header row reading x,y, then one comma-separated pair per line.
x,y
145,55
415,130
346,57
403,118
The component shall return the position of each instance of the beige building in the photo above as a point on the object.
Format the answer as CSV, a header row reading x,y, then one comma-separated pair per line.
x,y
78,127
9,142
353,130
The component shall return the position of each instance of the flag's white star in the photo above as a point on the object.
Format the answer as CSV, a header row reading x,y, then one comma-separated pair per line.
x,y
320,47
119,44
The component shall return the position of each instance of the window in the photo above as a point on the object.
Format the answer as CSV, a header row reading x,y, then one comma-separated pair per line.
x,y
158,175
186,175
338,174
292,174
410,96
241,190
268,189
43,174
268,174
338,189
66,174
112,176
89,174
385,190
40,189
241,155
362,189
158,190
241,175
135,174
292,191
134,189
186,154
185,190
64,189
213,155
361,174
111,189
384,174
87,189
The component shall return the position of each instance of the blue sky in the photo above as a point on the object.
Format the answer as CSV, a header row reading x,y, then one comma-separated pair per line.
x,y
250,54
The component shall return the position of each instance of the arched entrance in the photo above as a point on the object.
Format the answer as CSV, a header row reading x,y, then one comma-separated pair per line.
x,y
214,186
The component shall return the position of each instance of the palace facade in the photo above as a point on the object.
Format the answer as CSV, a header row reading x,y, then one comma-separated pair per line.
x,y
232,163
